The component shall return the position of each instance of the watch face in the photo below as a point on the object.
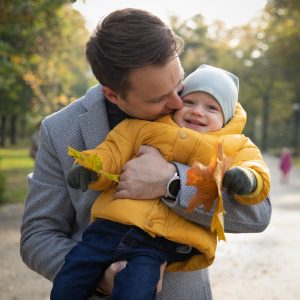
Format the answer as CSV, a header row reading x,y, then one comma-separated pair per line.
x,y
174,187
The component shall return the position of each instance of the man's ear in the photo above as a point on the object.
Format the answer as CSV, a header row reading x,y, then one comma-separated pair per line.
x,y
110,95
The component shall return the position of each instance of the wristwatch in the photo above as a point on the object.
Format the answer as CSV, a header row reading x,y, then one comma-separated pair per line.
x,y
173,187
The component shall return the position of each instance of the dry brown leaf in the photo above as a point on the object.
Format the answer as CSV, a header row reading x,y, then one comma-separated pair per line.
x,y
208,183
201,177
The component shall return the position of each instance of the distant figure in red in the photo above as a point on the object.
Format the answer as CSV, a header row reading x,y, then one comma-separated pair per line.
x,y
286,164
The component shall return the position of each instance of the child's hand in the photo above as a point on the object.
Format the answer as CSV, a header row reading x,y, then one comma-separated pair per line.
x,y
79,177
239,181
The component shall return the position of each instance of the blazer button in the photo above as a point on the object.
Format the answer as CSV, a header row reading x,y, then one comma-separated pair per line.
x,y
150,223
182,134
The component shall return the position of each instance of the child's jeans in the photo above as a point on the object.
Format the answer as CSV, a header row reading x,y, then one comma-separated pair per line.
x,y
105,242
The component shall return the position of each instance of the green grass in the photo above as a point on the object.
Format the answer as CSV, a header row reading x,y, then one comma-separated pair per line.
x,y
297,162
15,165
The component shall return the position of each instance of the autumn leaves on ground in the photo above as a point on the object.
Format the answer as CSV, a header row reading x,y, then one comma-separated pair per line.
x,y
248,266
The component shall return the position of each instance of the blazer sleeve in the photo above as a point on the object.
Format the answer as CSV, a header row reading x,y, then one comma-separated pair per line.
x,y
46,225
239,218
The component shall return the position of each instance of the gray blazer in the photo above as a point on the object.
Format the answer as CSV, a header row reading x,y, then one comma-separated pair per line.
x,y
55,215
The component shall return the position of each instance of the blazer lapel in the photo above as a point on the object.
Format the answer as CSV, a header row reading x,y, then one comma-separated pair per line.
x,y
94,121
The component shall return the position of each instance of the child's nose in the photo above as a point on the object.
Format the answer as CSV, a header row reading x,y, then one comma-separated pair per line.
x,y
198,110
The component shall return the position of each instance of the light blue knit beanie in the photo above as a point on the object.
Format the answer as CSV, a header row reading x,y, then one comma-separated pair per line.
x,y
221,84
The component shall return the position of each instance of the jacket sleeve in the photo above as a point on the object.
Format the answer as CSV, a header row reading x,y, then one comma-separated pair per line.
x,y
114,152
249,156
239,218
46,225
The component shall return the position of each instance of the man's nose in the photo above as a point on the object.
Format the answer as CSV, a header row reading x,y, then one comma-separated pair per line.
x,y
174,101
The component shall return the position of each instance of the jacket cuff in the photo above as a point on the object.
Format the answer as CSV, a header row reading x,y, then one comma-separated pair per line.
x,y
259,182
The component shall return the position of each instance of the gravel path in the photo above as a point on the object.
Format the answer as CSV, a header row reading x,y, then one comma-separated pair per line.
x,y
248,266
16,280
264,266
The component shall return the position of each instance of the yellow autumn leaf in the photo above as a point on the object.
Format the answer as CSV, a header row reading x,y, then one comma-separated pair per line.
x,y
91,162
208,183
112,177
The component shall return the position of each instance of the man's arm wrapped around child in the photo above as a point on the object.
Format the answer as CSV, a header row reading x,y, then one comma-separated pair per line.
x,y
125,139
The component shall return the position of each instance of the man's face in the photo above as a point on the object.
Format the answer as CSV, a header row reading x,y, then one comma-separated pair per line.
x,y
154,91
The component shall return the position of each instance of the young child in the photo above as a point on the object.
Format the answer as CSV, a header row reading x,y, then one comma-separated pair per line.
x,y
147,233
285,164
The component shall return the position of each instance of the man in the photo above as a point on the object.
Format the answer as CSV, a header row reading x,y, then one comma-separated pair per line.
x,y
134,56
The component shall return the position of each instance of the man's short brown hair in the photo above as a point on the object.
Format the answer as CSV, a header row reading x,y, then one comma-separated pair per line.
x,y
128,39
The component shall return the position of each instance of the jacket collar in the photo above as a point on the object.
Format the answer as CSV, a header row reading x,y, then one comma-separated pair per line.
x,y
236,124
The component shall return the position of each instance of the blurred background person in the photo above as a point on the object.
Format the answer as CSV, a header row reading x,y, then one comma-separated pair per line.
x,y
286,163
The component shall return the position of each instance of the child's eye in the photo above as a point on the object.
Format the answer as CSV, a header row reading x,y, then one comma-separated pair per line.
x,y
188,102
212,107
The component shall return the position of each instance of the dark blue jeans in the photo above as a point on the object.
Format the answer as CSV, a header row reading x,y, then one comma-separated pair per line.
x,y
105,242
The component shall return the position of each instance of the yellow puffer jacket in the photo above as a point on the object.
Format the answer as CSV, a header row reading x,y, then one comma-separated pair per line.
x,y
181,145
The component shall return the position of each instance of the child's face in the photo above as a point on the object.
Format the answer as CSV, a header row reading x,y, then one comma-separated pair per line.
x,y
200,112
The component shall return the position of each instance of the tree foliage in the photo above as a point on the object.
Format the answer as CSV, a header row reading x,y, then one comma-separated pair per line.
x,y
265,54
43,63
283,27
42,59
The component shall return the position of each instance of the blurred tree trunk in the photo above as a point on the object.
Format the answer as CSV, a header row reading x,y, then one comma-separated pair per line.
x,y
296,126
265,123
13,129
3,130
23,126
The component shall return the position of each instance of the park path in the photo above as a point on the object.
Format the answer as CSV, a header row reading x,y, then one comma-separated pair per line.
x,y
248,266
264,266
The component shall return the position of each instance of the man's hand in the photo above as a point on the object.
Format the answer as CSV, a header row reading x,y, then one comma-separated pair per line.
x,y
161,277
106,284
145,176
79,177
239,181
